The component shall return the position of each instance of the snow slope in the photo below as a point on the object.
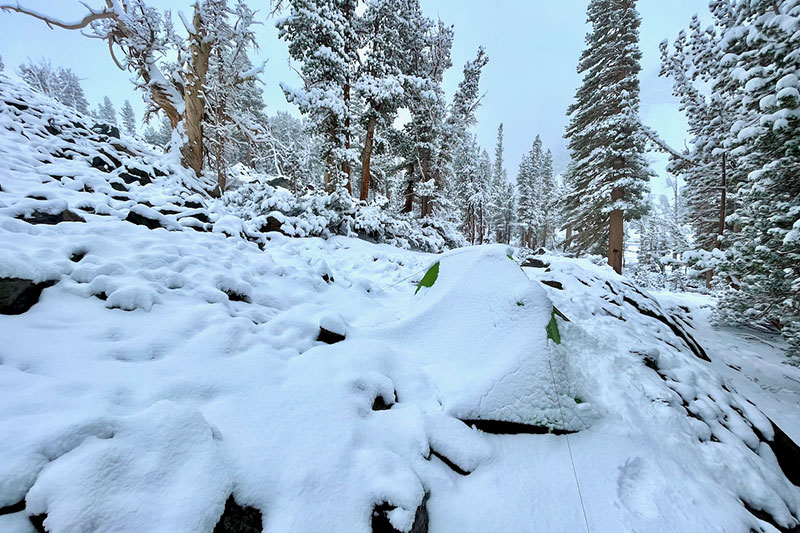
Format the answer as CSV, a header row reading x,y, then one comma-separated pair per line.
x,y
176,360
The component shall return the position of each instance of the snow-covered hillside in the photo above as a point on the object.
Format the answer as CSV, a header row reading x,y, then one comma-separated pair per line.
x,y
167,366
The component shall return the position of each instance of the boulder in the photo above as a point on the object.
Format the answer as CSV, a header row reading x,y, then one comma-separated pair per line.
x,y
43,217
238,519
136,218
107,130
134,175
17,295
331,329
381,523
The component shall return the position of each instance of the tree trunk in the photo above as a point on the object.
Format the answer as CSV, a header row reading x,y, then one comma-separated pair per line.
x,y
409,200
616,233
194,100
221,178
480,240
220,112
724,199
346,163
544,236
366,157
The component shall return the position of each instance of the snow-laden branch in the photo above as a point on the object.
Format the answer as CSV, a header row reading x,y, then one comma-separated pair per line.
x,y
93,15
653,137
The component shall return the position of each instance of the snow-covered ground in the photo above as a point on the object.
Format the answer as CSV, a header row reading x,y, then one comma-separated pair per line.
x,y
182,356
752,362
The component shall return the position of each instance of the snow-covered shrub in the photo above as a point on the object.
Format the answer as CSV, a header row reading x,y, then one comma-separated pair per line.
x,y
317,214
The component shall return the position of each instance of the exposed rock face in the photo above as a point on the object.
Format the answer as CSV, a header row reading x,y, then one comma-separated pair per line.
x,y
238,519
329,337
534,262
331,329
273,224
502,427
140,219
134,175
381,404
18,295
107,130
381,524
43,217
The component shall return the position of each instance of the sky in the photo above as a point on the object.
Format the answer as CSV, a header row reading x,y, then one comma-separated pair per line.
x,y
533,48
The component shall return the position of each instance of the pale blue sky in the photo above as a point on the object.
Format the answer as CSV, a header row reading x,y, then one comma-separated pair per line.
x,y
533,46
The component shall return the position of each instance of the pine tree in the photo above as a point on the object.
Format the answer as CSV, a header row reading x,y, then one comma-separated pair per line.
x,y
461,118
384,66
59,83
694,61
150,135
472,170
548,200
763,263
128,118
107,113
502,196
70,91
529,185
290,150
430,45
322,37
662,240
233,98
609,169
160,137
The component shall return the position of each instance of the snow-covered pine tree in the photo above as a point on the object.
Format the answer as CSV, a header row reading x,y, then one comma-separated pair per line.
x,y
472,170
548,201
503,212
763,262
607,148
384,66
662,240
290,150
161,136
696,60
650,271
60,83
461,118
322,37
150,135
107,113
70,91
529,186
430,45
234,102
128,118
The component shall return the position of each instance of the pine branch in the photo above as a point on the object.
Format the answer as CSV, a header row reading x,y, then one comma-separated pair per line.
x,y
664,147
